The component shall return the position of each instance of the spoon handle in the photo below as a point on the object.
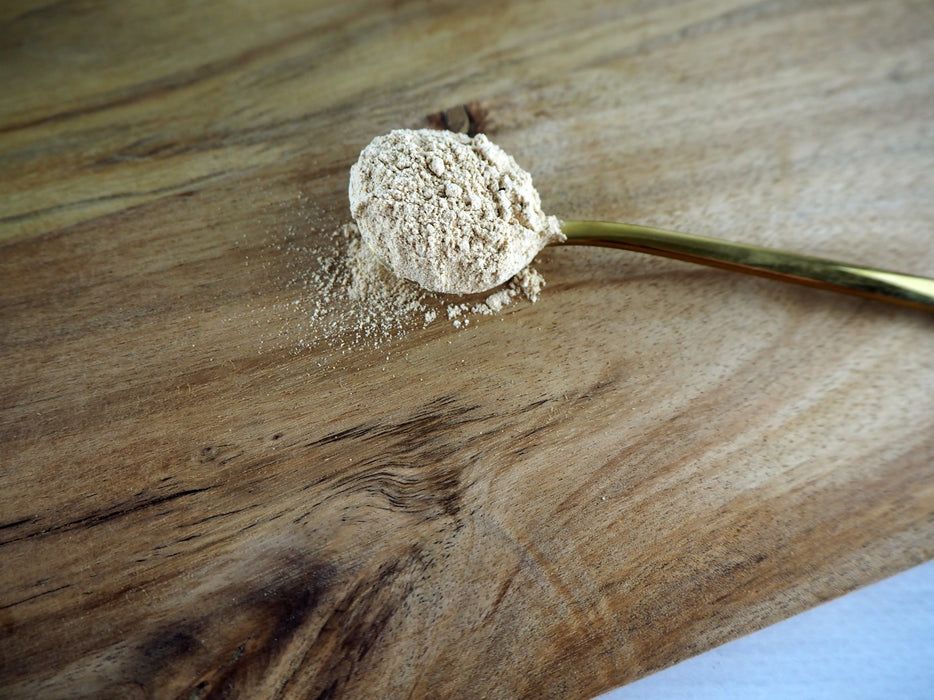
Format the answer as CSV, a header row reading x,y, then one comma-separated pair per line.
x,y
859,280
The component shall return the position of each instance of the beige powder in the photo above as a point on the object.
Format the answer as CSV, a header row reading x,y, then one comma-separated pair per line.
x,y
349,300
453,213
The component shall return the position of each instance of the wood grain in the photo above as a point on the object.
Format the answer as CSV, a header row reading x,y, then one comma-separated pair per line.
x,y
201,498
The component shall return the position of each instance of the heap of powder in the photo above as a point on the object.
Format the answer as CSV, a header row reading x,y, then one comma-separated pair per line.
x,y
448,212
453,213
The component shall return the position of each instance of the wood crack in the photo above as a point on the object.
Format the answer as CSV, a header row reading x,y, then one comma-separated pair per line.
x,y
106,516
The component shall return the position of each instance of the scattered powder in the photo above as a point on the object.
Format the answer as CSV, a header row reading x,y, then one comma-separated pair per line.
x,y
453,213
351,299
530,283
496,302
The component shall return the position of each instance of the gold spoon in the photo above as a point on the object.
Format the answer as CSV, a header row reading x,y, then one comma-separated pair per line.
x,y
858,280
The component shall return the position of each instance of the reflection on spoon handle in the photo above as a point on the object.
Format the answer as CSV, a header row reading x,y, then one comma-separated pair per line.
x,y
883,285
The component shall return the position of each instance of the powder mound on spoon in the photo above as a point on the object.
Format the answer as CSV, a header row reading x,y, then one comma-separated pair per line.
x,y
451,212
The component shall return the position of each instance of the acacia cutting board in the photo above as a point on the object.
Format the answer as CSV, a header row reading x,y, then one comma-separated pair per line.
x,y
201,497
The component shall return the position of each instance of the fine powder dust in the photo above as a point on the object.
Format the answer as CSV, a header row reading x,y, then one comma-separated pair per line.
x,y
450,214
453,213
352,300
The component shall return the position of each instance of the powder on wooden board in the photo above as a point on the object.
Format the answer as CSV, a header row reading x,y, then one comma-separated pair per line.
x,y
351,299
451,212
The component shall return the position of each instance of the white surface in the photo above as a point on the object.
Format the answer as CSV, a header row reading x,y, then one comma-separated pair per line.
x,y
877,642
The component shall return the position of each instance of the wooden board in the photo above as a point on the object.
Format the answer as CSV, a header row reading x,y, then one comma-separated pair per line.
x,y
199,497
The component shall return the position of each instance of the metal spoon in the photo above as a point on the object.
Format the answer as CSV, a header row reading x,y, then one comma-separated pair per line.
x,y
859,280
